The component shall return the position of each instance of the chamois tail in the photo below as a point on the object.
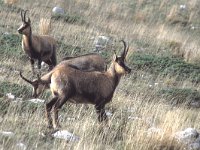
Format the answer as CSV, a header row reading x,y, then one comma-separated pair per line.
x,y
46,79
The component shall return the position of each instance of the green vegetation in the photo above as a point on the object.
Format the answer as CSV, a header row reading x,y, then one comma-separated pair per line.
x,y
16,89
179,96
166,66
10,45
72,19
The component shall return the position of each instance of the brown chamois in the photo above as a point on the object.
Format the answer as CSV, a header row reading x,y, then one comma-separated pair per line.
x,y
87,62
76,86
37,47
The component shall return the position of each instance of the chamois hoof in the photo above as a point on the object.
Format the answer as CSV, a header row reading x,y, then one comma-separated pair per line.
x,y
48,133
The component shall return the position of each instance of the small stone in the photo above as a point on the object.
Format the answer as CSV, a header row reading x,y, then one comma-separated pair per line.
x,y
64,134
194,146
109,114
36,100
154,130
58,10
187,136
10,96
182,7
102,42
195,104
6,133
21,146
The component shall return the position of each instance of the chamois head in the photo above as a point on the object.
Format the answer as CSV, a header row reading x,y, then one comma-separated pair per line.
x,y
26,25
37,84
119,61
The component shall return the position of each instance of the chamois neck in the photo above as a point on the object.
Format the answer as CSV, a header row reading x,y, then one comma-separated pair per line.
x,y
28,33
113,74
28,39
28,36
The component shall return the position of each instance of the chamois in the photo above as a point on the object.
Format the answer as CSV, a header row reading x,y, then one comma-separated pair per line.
x,y
87,62
37,47
70,84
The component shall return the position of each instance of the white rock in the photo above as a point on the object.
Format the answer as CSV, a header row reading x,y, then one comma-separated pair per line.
x,y
71,119
10,96
134,118
156,83
182,7
101,42
64,134
195,104
6,33
192,27
194,146
36,100
58,10
21,146
154,130
187,136
150,85
131,110
6,133
43,64
109,114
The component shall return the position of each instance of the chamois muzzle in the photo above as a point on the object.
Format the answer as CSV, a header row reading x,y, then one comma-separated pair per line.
x,y
127,70
19,31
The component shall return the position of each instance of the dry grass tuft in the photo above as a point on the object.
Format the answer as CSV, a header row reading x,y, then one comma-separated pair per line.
x,y
44,26
140,16
10,2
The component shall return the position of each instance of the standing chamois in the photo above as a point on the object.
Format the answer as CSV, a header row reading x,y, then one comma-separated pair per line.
x,y
67,83
37,47
87,62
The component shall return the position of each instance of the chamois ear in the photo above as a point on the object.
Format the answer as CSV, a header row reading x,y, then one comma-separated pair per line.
x,y
29,20
114,57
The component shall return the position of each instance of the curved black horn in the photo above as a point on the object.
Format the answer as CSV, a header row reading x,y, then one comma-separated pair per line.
x,y
127,50
25,15
20,73
123,54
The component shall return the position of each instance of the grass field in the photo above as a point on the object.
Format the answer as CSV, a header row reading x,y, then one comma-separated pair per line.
x,y
164,55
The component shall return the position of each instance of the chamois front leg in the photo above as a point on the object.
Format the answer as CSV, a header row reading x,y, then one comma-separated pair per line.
x,y
100,110
48,111
32,65
39,63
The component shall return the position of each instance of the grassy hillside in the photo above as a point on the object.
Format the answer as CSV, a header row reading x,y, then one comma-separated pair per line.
x,y
164,56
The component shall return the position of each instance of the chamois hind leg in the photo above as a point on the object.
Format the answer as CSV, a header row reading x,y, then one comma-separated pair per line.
x,y
100,110
56,108
48,109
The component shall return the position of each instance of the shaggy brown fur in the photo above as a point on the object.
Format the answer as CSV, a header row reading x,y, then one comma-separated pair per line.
x,y
37,47
89,62
76,86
